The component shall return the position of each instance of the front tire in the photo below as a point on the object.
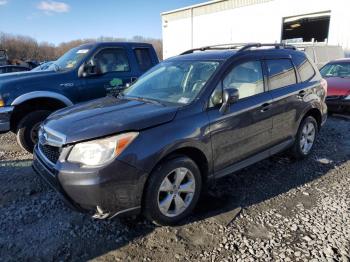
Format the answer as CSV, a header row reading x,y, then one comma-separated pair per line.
x,y
172,191
28,127
305,138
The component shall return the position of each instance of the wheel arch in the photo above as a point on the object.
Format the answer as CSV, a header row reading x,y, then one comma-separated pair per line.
x,y
29,103
192,152
41,94
315,113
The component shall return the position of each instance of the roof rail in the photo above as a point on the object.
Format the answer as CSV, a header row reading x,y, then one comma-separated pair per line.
x,y
240,46
215,47
276,45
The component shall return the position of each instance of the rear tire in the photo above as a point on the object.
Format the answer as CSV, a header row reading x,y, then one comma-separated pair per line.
x,y
28,127
172,191
305,138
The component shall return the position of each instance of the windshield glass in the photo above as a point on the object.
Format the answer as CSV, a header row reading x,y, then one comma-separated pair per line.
x,y
43,67
70,59
336,70
177,82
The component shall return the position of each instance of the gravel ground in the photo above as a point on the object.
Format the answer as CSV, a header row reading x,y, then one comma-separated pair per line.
x,y
276,210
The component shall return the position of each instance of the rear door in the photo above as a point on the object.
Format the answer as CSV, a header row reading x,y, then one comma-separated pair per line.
x,y
116,71
246,128
288,94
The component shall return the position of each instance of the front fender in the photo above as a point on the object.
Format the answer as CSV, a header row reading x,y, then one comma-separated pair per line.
x,y
154,144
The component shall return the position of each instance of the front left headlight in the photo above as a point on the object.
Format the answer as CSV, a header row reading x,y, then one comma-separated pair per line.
x,y
2,102
347,97
100,151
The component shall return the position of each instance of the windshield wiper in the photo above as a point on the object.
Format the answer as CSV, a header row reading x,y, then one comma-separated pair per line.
x,y
143,99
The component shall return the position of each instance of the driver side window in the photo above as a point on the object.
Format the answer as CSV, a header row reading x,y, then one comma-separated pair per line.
x,y
247,78
112,60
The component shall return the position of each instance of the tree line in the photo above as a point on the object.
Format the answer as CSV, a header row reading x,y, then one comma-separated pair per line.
x,y
25,48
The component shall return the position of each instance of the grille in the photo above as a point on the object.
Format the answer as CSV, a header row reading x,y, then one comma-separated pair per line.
x,y
52,153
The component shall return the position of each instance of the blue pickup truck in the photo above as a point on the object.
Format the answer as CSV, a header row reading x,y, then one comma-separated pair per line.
x,y
84,73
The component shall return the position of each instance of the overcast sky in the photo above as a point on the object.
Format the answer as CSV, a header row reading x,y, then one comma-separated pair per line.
x,y
60,21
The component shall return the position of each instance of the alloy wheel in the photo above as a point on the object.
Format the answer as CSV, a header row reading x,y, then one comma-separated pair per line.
x,y
307,139
176,192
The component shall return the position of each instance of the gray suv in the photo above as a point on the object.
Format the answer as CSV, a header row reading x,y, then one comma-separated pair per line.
x,y
187,121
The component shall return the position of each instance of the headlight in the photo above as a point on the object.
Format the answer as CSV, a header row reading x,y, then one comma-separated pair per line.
x,y
2,102
347,97
100,151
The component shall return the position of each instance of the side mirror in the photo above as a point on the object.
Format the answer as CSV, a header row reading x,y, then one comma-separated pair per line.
x,y
91,68
229,96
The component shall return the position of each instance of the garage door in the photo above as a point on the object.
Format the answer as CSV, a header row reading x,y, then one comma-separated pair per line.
x,y
307,28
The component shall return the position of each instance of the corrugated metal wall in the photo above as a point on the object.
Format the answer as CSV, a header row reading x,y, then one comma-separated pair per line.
x,y
227,21
210,8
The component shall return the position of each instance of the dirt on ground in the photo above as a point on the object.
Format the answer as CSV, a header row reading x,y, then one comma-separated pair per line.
x,y
276,210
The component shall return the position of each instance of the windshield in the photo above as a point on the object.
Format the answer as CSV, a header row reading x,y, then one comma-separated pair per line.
x,y
43,67
336,70
177,82
70,59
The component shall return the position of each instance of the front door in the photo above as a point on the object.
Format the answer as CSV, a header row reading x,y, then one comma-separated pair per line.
x,y
246,128
115,72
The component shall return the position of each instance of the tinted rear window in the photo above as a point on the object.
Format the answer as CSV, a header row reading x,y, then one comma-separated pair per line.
x,y
143,58
305,69
281,73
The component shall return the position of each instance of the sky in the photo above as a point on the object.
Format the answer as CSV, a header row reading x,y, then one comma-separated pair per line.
x,y
60,21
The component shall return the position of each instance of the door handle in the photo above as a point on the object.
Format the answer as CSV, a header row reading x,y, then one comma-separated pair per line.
x,y
301,94
265,107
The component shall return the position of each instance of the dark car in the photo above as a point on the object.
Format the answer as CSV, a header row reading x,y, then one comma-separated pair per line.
x,y
337,74
3,57
84,73
191,119
13,69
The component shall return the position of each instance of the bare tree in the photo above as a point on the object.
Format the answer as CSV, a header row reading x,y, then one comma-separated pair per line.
x,y
22,48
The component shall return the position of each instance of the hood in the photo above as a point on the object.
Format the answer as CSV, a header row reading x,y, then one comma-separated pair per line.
x,y
107,116
338,86
26,74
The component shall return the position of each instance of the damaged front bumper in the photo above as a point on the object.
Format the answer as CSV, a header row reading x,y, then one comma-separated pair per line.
x,y
104,192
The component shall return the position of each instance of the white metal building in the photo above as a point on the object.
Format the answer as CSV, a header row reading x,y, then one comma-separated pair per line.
x,y
241,21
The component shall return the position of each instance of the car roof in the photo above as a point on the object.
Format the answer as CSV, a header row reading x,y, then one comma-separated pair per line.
x,y
205,55
227,53
106,44
341,60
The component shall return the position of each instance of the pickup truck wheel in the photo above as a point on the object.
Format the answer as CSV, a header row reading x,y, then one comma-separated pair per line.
x,y
305,138
172,191
28,127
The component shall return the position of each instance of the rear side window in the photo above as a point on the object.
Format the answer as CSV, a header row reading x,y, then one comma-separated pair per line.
x,y
305,69
143,58
281,73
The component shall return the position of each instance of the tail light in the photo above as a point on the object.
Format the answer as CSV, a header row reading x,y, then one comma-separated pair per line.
x,y
324,86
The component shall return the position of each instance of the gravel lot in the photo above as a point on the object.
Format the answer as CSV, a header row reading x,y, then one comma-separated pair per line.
x,y
276,210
